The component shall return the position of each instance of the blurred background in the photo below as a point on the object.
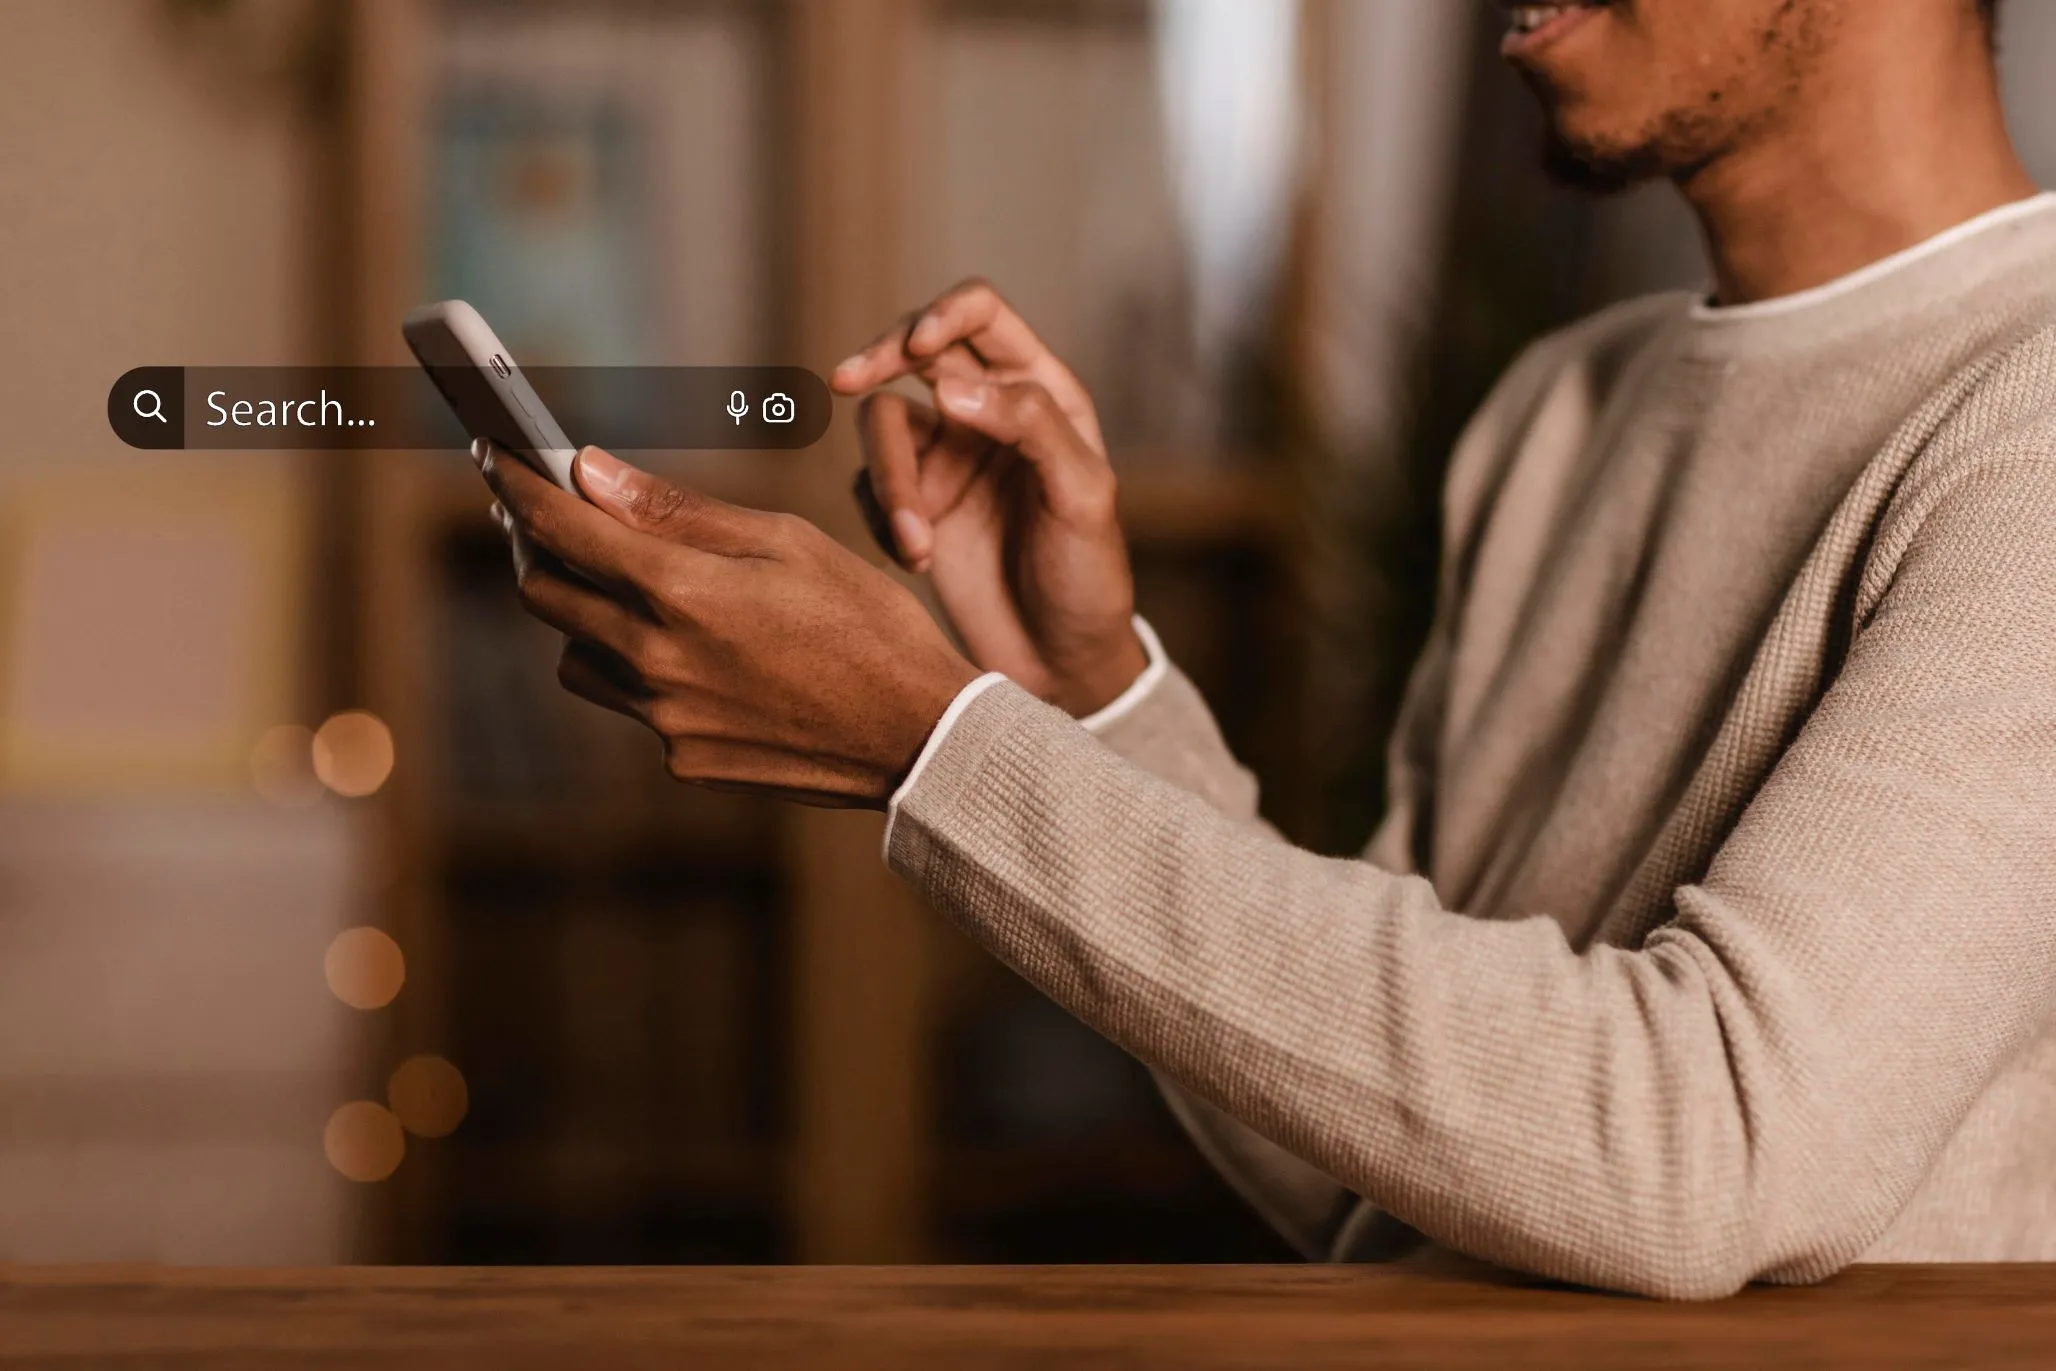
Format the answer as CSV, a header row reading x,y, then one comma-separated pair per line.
x,y
331,930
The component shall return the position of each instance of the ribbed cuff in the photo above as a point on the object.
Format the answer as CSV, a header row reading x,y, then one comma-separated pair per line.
x,y
1152,675
935,739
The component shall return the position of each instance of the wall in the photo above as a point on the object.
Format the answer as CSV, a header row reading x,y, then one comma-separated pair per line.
x,y
155,206
171,1051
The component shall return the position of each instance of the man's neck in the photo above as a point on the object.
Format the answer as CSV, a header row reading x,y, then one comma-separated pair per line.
x,y
1890,160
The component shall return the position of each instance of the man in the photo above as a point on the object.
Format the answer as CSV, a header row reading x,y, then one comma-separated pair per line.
x,y
1711,934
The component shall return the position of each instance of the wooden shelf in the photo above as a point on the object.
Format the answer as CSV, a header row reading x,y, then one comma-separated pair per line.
x,y
1166,501
1163,499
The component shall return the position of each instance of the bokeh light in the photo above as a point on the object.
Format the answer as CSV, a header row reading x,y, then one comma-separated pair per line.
x,y
353,753
282,767
365,968
364,1141
429,1096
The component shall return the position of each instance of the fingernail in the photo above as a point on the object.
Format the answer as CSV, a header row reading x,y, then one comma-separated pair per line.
x,y
910,531
603,474
959,396
479,448
850,363
926,333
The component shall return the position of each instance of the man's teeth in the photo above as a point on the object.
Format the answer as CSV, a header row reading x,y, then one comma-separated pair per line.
x,y
1528,18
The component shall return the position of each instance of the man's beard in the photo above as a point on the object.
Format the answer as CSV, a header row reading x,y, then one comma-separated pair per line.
x,y
1680,142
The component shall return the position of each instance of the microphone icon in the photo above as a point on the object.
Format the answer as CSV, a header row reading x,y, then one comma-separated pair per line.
x,y
737,407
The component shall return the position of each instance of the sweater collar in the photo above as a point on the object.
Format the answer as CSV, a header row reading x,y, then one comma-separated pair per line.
x,y
1943,266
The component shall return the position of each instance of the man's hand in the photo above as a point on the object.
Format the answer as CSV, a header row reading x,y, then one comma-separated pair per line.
x,y
765,655
1002,493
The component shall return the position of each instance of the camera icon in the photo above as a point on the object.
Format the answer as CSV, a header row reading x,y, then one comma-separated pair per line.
x,y
779,408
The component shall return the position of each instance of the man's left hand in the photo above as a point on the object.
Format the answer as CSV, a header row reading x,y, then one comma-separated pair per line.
x,y
764,654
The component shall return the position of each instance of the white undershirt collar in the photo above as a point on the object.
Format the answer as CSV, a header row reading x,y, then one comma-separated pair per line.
x,y
1703,312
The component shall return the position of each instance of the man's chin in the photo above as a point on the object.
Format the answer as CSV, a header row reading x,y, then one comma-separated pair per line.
x,y
1598,170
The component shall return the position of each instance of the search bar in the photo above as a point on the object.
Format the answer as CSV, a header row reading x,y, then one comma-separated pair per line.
x,y
625,409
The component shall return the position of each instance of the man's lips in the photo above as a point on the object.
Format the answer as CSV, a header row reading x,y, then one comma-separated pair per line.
x,y
1537,26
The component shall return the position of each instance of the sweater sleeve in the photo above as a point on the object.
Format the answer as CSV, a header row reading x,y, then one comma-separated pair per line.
x,y
1753,1093
1165,728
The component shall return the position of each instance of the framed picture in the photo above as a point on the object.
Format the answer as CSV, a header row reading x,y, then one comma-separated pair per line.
x,y
539,221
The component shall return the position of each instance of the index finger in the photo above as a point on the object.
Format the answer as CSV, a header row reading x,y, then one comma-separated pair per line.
x,y
972,315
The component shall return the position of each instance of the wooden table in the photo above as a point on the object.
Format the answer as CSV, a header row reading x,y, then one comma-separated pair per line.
x,y
827,1318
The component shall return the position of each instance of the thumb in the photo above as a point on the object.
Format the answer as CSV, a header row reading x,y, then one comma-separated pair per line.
x,y
677,514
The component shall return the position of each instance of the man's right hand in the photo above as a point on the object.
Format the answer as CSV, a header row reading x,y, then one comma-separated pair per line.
x,y
1003,495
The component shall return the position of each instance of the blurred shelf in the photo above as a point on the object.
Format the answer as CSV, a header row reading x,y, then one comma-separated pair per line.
x,y
1163,499
554,890
1167,501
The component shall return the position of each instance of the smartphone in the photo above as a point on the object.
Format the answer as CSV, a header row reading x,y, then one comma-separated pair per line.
x,y
485,389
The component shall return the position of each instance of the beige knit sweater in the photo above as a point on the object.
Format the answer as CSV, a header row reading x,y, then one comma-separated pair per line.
x,y
1711,935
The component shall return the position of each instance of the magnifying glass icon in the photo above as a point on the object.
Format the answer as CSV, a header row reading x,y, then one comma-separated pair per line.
x,y
153,410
